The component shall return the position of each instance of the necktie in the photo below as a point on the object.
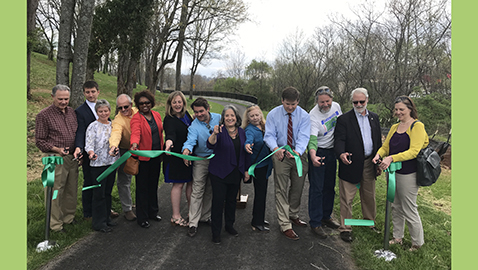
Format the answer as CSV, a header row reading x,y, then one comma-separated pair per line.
x,y
289,131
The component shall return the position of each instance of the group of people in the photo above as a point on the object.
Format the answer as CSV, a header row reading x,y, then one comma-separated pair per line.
x,y
212,185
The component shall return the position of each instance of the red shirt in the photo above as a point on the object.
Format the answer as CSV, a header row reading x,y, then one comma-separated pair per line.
x,y
55,128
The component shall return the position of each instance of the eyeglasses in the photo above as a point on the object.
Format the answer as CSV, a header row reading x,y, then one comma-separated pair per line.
x,y
209,127
123,107
144,103
322,90
357,101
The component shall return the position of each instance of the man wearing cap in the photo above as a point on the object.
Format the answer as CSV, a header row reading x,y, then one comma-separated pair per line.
x,y
322,162
55,129
288,124
119,139
357,140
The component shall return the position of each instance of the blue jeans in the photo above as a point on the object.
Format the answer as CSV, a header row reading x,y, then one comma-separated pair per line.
x,y
321,190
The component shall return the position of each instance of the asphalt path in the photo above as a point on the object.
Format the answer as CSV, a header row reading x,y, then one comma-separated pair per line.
x,y
163,246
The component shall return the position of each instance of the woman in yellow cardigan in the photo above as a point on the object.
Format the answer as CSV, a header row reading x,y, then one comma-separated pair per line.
x,y
403,144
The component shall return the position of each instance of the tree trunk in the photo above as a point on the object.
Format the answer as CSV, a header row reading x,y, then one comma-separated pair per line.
x,y
80,57
32,6
182,30
64,56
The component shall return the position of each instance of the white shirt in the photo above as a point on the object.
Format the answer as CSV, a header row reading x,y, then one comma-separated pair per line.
x,y
322,125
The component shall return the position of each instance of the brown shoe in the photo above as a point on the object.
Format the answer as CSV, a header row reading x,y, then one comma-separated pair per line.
x,y
129,215
330,223
114,214
299,222
291,234
319,231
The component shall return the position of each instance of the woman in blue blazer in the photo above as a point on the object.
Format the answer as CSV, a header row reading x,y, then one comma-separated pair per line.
x,y
226,170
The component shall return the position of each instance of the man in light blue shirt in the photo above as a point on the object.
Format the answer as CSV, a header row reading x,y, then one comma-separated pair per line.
x,y
288,124
198,133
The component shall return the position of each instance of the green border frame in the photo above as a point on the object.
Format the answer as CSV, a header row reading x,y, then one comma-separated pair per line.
x,y
13,158
12,69
464,185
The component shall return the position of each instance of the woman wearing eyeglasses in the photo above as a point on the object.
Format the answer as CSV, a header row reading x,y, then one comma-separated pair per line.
x,y
254,126
226,170
176,123
146,134
404,140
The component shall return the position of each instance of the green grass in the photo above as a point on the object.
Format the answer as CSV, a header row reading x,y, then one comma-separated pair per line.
x,y
42,80
434,203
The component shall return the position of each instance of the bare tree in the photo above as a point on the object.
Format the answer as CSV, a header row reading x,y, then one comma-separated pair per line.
x,y
65,55
236,64
47,18
80,56
31,10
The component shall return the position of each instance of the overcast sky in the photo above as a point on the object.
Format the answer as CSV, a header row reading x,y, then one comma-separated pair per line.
x,y
272,22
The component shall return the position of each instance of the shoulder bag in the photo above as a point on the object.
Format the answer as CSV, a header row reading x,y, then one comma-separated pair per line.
x,y
428,165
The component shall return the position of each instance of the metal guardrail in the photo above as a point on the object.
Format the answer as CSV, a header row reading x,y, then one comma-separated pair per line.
x,y
238,96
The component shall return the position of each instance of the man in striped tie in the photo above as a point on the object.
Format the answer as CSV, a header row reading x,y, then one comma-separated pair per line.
x,y
288,124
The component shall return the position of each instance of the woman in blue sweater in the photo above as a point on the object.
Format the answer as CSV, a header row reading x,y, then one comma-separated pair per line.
x,y
254,126
226,170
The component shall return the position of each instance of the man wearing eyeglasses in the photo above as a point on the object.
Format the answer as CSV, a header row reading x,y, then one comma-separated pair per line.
x,y
119,143
198,133
322,162
357,140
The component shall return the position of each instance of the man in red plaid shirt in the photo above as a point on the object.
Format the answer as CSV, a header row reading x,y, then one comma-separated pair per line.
x,y
55,135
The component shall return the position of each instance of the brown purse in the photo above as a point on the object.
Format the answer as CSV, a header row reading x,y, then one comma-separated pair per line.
x,y
131,165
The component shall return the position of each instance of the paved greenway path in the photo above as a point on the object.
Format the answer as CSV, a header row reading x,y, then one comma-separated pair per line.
x,y
163,246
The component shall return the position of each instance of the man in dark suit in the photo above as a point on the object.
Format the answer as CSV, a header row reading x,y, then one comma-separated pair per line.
x,y
357,140
86,114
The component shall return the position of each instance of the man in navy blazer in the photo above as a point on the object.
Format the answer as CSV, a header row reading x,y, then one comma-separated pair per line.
x,y
85,115
357,140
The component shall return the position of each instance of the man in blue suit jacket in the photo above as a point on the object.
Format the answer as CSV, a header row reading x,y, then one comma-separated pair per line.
x,y
85,115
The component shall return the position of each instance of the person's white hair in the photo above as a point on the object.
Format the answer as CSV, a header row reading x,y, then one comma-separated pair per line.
x,y
359,90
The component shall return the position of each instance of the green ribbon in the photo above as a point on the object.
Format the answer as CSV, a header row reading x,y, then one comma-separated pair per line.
x,y
394,166
358,222
298,162
48,174
143,153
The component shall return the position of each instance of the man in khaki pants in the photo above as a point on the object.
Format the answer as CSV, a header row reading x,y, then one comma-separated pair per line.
x,y
288,124
55,134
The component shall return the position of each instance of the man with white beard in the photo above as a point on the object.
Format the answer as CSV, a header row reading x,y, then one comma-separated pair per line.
x,y
322,163
357,140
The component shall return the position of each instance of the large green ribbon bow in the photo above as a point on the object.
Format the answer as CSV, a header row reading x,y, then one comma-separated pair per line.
x,y
48,174
394,166
298,162
143,153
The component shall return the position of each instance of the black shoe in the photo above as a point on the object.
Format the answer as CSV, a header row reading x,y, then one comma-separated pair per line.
x,y
73,222
260,228
156,218
319,231
216,240
112,223
232,231
63,230
330,223
105,229
145,224
346,236
207,221
374,229
192,231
